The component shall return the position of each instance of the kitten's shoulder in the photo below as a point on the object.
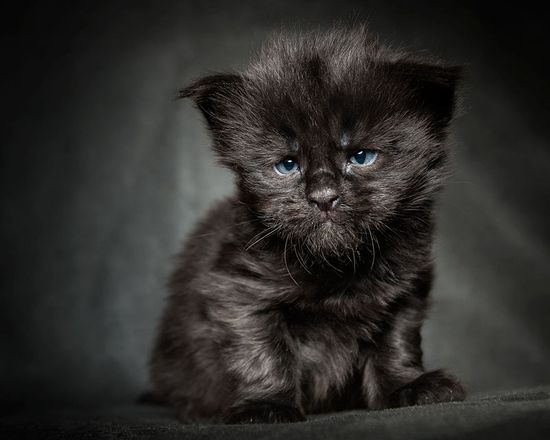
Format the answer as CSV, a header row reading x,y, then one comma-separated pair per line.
x,y
219,217
217,224
203,244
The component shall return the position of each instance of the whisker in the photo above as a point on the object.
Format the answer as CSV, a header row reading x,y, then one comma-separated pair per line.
x,y
299,258
353,256
373,251
267,233
328,263
286,264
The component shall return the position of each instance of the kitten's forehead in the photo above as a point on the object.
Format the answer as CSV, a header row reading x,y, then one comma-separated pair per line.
x,y
338,89
330,116
299,104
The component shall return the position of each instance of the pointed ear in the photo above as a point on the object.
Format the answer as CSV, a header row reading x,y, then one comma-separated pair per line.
x,y
213,95
434,88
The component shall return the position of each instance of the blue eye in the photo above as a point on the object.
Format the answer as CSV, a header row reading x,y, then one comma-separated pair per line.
x,y
286,166
363,157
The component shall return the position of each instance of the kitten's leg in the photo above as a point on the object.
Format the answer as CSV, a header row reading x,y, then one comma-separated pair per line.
x,y
394,375
265,373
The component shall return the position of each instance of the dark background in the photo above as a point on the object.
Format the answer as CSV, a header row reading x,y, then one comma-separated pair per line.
x,y
103,174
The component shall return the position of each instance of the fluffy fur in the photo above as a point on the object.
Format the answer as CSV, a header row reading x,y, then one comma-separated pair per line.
x,y
278,308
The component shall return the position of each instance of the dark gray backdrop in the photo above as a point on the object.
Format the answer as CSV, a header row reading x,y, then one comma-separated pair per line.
x,y
103,174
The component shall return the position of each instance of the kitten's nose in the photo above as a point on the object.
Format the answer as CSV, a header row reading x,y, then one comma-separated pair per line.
x,y
325,199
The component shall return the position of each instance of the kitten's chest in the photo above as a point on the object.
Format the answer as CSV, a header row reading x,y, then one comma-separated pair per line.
x,y
329,353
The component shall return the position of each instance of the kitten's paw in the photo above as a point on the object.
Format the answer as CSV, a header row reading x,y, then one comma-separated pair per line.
x,y
433,387
263,412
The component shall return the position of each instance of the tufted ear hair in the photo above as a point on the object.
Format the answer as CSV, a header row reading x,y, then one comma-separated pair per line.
x,y
213,95
434,88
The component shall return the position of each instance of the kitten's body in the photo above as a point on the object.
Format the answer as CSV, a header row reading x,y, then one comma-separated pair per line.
x,y
282,305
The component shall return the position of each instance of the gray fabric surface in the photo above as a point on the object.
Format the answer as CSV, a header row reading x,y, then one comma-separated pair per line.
x,y
522,414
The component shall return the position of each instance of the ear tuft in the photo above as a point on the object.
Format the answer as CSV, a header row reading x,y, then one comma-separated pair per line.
x,y
213,94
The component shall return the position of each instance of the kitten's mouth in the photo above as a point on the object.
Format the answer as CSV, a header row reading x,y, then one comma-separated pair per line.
x,y
327,223
329,235
327,216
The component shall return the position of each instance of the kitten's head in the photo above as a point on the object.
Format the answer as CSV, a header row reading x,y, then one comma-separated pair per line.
x,y
332,136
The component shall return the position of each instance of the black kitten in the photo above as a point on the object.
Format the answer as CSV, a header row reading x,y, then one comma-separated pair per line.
x,y
306,291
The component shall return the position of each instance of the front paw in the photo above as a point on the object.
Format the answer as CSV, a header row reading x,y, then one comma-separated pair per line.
x,y
260,411
433,387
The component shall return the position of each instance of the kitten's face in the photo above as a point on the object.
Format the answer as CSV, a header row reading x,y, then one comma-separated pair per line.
x,y
328,156
330,175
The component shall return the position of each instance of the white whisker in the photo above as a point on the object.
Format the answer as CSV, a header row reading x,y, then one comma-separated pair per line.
x,y
372,244
267,233
299,258
286,264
